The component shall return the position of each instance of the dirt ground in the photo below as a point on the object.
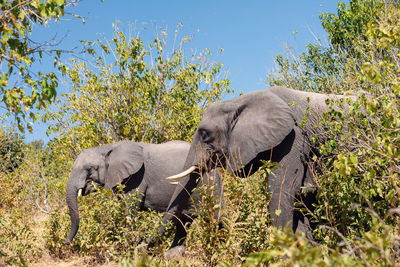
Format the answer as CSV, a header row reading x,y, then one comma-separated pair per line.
x,y
47,261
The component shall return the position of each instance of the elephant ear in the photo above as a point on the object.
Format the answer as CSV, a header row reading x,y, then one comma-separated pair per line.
x,y
259,122
122,161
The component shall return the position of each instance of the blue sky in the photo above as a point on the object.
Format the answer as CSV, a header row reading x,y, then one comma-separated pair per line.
x,y
250,32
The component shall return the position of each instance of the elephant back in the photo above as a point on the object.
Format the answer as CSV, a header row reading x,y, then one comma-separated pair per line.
x,y
169,156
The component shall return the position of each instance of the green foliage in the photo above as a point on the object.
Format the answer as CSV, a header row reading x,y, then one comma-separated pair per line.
x,y
246,226
18,52
29,191
249,223
208,235
57,228
11,146
137,91
348,26
316,70
376,247
35,180
111,227
323,68
359,152
147,261
366,166
18,243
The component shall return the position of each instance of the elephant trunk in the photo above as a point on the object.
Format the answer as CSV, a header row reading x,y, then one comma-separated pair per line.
x,y
72,202
188,180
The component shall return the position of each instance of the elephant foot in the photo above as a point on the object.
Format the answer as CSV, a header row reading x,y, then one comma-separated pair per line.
x,y
305,228
153,242
175,252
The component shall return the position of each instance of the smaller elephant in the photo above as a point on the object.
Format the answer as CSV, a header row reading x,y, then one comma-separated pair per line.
x,y
139,166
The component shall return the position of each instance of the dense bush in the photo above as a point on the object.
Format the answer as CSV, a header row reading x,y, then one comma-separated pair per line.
x,y
245,223
359,171
111,227
11,155
23,192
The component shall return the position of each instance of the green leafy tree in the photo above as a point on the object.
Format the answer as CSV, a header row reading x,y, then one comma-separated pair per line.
x,y
321,68
348,25
23,90
147,93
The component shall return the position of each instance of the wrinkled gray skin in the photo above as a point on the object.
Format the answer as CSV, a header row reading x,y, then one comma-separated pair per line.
x,y
260,125
139,166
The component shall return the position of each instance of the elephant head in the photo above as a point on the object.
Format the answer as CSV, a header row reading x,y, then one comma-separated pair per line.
x,y
106,166
233,133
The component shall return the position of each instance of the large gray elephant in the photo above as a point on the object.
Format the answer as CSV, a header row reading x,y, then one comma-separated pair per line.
x,y
139,166
262,125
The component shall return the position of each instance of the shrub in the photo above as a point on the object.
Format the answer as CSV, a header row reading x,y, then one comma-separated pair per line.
x,y
245,222
18,243
111,227
11,154
359,178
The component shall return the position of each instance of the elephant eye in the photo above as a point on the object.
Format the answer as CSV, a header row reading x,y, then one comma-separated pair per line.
x,y
205,136
91,170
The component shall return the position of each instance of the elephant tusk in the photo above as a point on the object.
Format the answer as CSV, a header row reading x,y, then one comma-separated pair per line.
x,y
182,174
80,192
174,183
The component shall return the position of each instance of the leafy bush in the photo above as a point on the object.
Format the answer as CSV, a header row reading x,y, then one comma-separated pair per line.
x,y
11,154
359,178
25,199
366,168
18,243
208,232
376,247
111,227
325,68
245,222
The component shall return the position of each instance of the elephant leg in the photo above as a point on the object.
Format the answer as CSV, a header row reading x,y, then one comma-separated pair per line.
x,y
178,244
175,252
175,210
307,197
284,184
218,192
180,234
302,224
